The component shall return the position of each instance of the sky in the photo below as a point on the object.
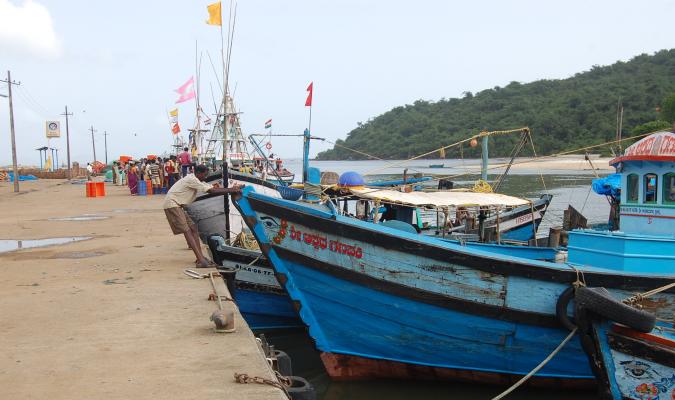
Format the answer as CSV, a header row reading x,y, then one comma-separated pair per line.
x,y
116,64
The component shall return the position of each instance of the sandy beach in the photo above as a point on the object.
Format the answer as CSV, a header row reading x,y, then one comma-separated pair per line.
x,y
111,317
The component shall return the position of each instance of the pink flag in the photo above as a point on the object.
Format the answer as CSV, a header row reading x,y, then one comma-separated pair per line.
x,y
187,91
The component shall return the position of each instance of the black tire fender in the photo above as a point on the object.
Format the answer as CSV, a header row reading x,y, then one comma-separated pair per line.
x,y
300,389
561,308
284,365
601,302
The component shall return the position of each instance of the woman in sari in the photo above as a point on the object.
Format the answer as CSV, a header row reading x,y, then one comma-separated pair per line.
x,y
132,178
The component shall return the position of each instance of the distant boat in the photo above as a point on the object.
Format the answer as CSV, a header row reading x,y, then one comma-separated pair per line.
x,y
436,165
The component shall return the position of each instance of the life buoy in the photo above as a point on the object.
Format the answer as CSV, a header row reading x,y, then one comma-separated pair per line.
x,y
268,146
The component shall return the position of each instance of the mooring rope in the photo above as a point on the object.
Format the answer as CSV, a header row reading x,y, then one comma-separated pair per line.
x,y
544,158
538,367
282,382
480,135
641,296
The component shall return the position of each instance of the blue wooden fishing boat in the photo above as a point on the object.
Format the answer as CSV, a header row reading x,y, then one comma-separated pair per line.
x,y
386,302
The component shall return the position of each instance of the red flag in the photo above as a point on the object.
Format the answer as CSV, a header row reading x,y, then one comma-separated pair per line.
x,y
175,128
310,89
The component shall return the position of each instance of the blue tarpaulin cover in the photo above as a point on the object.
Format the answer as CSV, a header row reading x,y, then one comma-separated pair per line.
x,y
22,177
609,185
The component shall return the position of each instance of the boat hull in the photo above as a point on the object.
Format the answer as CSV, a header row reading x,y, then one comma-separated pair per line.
x,y
375,293
261,300
341,367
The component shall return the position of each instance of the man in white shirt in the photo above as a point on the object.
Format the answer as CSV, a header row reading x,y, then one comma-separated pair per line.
x,y
182,194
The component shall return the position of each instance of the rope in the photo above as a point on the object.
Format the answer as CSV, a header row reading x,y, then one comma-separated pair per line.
x,y
313,189
281,383
215,291
480,135
482,186
543,158
641,296
245,241
534,152
362,153
537,368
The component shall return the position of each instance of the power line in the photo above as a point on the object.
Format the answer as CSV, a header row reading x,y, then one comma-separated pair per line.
x,y
31,98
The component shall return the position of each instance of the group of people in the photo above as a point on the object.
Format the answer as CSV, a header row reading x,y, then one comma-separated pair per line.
x,y
162,173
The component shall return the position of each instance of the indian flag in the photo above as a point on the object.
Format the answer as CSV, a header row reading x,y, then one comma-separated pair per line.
x,y
268,123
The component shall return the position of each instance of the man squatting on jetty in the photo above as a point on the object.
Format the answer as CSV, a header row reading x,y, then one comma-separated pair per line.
x,y
182,194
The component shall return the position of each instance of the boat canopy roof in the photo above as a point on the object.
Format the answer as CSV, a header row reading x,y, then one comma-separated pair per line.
x,y
440,199
659,146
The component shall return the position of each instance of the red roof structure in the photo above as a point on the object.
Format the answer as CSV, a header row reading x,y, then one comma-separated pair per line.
x,y
659,146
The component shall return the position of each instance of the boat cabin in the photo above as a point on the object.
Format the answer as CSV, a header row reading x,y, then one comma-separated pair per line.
x,y
647,212
648,173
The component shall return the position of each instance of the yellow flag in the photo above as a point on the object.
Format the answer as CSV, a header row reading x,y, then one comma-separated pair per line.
x,y
174,112
215,17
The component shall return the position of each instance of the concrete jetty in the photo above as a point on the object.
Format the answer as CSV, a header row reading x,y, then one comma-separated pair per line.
x,y
114,316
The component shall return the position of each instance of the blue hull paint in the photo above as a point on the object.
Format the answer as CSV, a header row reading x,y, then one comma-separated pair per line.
x,y
356,320
265,311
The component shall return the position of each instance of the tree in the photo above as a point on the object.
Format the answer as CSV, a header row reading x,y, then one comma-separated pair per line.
x,y
651,126
668,109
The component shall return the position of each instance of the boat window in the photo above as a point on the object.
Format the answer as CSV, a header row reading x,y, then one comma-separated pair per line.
x,y
632,186
650,188
669,188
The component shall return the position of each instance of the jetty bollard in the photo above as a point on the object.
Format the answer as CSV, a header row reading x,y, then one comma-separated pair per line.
x,y
223,317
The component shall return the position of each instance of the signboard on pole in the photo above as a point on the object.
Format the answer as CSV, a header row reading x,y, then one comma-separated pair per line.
x,y
53,129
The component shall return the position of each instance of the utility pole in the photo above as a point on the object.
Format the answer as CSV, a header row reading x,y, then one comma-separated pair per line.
x,y
11,127
105,141
70,176
93,146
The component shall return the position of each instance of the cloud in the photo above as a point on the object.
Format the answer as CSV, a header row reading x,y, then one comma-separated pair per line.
x,y
28,28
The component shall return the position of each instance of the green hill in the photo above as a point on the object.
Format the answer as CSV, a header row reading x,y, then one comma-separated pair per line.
x,y
563,114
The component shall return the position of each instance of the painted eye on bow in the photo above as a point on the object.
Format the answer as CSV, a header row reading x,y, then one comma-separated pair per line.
x,y
269,222
637,369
